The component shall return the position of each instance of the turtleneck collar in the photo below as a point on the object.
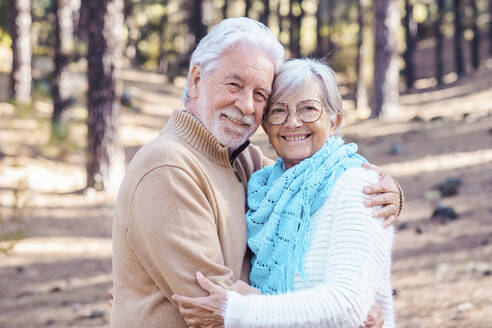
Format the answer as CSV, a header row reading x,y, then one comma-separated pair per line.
x,y
191,131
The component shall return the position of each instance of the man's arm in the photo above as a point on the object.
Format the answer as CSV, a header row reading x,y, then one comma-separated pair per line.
x,y
173,232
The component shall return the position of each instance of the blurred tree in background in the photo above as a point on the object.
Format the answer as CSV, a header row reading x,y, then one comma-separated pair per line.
x,y
64,44
368,52
20,77
105,159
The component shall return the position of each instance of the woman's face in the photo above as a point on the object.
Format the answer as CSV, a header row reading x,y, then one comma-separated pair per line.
x,y
295,140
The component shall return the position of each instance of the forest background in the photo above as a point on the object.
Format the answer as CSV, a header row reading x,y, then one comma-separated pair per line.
x,y
85,83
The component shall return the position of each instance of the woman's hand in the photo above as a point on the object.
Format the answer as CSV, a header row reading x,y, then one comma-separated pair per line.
x,y
204,312
387,193
375,318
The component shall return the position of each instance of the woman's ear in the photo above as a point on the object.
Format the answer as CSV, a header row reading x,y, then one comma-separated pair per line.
x,y
336,122
194,80
264,126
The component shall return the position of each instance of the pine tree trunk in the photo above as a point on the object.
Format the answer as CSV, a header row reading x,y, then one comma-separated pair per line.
x,y
130,50
476,37
162,61
458,36
225,7
105,159
386,74
20,77
63,52
197,28
247,7
490,27
319,25
266,12
295,18
438,57
411,37
331,24
361,99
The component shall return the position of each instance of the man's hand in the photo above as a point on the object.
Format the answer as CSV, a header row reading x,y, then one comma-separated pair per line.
x,y
386,193
374,318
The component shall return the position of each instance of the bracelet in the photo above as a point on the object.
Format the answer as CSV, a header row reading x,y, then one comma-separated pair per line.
x,y
402,198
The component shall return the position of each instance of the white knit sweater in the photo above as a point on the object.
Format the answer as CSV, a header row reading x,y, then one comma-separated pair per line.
x,y
347,268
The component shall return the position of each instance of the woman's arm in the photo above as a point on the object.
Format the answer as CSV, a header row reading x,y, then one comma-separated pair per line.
x,y
358,261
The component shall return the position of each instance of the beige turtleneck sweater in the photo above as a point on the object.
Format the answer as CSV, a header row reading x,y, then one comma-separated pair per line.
x,y
180,209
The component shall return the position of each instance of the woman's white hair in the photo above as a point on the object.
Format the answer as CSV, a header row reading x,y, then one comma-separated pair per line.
x,y
232,32
296,73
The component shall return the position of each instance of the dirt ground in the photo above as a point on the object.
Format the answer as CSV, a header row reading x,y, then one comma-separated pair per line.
x,y
58,273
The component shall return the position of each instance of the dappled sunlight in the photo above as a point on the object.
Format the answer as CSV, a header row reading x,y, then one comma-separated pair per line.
x,y
64,246
136,135
430,163
43,175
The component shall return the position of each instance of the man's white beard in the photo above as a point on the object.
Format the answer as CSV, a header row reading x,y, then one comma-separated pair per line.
x,y
224,131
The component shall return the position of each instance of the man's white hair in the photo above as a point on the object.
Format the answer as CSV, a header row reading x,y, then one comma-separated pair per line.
x,y
229,33
295,75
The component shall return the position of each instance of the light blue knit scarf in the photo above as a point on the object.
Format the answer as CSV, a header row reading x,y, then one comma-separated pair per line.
x,y
281,204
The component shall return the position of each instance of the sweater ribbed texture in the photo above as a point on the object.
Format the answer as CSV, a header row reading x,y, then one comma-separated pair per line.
x,y
180,209
347,267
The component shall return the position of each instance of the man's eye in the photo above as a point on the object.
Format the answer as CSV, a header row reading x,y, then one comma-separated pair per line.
x,y
233,84
261,96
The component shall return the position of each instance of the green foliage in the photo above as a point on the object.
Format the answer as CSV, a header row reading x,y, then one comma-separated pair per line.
x,y
4,15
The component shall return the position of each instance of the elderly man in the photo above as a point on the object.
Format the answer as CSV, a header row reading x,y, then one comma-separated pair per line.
x,y
181,206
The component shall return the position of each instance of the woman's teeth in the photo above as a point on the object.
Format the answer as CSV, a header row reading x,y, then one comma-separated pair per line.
x,y
296,138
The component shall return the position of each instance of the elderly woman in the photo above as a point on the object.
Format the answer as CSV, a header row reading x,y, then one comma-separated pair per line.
x,y
320,257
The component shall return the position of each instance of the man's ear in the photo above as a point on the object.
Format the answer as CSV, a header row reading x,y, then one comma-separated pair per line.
x,y
193,81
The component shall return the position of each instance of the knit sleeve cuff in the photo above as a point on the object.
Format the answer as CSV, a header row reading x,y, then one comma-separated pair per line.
x,y
231,312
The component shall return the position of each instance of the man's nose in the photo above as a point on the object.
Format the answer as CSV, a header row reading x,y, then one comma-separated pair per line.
x,y
245,103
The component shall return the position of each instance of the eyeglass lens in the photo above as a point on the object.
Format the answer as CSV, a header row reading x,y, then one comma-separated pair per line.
x,y
308,111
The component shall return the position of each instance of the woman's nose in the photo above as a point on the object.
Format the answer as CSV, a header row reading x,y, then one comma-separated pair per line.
x,y
293,121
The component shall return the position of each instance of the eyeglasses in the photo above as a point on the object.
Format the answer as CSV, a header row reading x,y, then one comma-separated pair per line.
x,y
308,111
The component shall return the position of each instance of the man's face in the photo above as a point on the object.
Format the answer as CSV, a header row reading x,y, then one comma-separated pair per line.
x,y
230,101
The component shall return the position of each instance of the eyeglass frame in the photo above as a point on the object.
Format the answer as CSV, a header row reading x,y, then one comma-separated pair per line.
x,y
265,115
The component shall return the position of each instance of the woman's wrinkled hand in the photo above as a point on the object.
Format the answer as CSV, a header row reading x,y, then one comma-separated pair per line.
x,y
385,193
375,318
204,312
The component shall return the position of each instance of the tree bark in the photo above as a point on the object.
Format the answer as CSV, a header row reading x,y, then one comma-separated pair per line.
x,y
331,23
20,76
105,159
490,27
162,61
411,37
295,18
130,50
475,48
386,73
360,97
438,56
458,36
266,12
197,28
225,7
247,7
64,32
